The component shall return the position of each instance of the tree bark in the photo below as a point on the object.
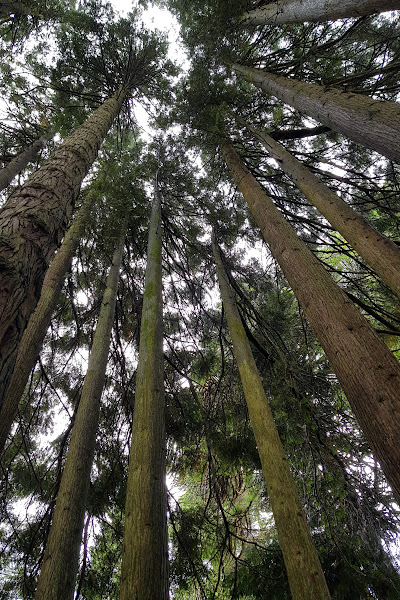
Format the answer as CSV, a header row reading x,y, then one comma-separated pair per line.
x,y
373,123
382,255
39,322
17,164
280,12
60,562
32,223
306,578
365,367
144,574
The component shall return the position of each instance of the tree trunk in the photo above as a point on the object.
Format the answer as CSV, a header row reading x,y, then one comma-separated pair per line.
x,y
144,574
382,255
365,367
280,12
32,223
39,322
306,578
373,123
60,562
17,164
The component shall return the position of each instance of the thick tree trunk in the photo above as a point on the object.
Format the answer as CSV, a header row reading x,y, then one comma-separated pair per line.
x,y
382,255
306,578
373,123
298,11
39,322
32,223
19,163
60,563
365,367
144,574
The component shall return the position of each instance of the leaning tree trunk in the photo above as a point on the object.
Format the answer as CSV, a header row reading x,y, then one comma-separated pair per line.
x,y
144,574
17,164
373,123
39,322
280,12
365,367
33,221
305,575
60,562
382,255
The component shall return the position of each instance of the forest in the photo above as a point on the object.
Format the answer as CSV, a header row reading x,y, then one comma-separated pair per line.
x,y
199,318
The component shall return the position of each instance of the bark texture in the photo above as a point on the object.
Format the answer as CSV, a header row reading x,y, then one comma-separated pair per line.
x,y
19,163
373,123
60,562
144,574
382,255
32,224
365,367
39,322
306,578
298,11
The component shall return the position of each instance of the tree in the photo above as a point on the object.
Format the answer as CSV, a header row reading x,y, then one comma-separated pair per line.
x,y
144,572
39,321
301,559
290,11
380,253
60,561
370,122
34,218
345,335
16,165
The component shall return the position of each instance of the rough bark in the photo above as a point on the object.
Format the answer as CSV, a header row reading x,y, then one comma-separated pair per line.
x,y
280,12
382,255
39,322
60,562
365,367
305,575
32,223
144,574
19,163
373,123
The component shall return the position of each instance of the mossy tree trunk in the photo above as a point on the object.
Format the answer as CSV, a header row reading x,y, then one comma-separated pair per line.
x,y
306,578
365,367
39,322
17,164
144,574
280,12
60,562
373,123
382,255
33,222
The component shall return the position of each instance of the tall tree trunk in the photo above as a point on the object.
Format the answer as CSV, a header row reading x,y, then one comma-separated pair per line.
x,y
17,164
39,322
365,367
306,578
382,255
60,562
144,574
295,11
33,221
373,123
